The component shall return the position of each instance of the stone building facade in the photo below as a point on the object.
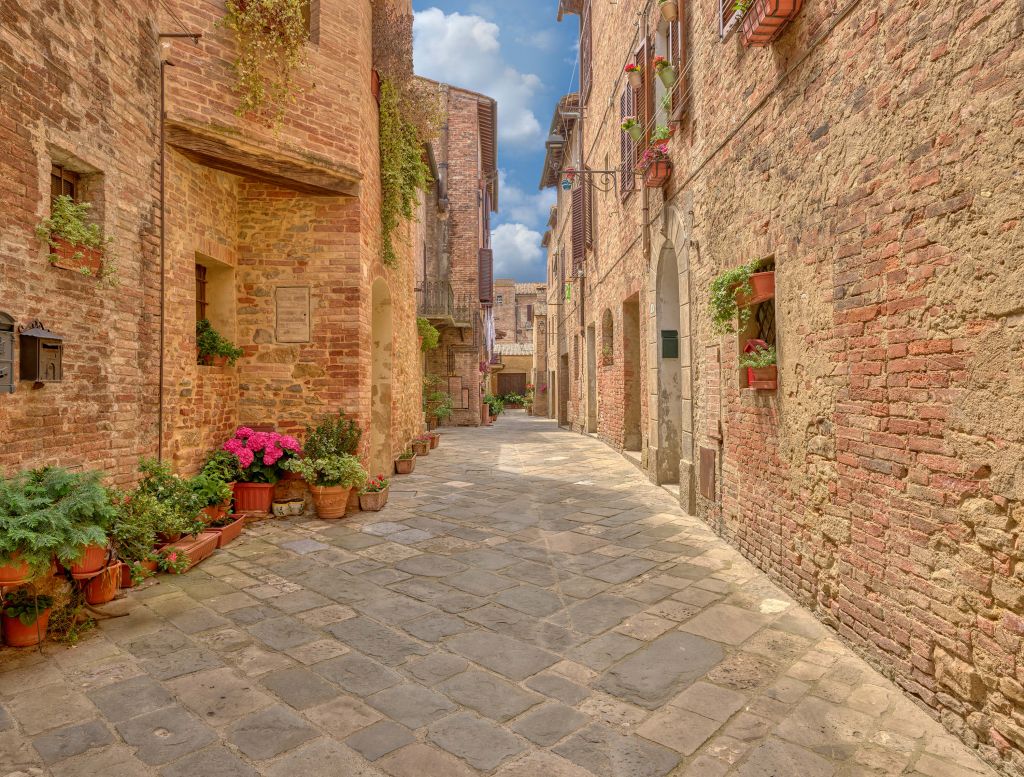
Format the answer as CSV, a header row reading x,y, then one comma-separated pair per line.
x,y
514,307
455,285
866,154
271,231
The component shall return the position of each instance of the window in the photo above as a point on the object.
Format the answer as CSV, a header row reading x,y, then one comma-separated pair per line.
x,y
529,314
501,299
215,295
582,207
64,181
311,16
201,303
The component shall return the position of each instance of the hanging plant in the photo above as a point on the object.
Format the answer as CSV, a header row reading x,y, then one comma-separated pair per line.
x,y
724,308
403,173
75,241
271,35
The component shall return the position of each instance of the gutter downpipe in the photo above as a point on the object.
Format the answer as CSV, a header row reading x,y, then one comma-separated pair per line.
x,y
163,254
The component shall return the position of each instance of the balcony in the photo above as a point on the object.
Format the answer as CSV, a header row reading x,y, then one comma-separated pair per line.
x,y
436,302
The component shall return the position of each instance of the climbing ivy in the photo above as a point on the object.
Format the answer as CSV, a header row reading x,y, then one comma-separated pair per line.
x,y
403,173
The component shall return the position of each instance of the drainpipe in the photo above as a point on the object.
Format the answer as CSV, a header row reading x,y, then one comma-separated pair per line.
x,y
163,252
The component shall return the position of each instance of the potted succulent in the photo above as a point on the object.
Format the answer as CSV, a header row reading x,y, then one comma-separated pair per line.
x,y
374,494
74,243
761,363
51,513
669,9
25,617
734,291
635,74
405,464
421,445
633,128
331,479
213,348
665,71
261,458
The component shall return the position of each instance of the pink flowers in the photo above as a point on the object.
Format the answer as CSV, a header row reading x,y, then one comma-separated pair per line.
x,y
262,449
655,153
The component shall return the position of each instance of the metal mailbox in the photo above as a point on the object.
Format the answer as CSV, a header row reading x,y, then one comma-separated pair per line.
x,y
6,354
669,344
42,354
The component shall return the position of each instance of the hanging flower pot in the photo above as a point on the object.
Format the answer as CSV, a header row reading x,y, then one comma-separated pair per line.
x,y
253,497
669,9
634,129
657,174
762,285
103,588
666,72
766,19
635,74
330,501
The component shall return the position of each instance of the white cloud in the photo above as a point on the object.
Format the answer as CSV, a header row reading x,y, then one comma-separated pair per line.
x,y
518,252
517,205
543,39
464,50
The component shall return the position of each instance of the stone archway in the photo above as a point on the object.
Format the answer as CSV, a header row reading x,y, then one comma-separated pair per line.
x,y
380,452
669,376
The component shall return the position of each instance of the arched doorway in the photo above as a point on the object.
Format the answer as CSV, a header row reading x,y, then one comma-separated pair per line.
x,y
668,343
380,453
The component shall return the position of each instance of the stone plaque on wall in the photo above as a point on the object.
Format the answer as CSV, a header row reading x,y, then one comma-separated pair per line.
x,y
292,304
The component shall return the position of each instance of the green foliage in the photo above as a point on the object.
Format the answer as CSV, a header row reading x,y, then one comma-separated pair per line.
x,y
331,470
333,436
70,220
271,37
172,559
67,621
211,490
512,398
759,358
140,517
660,133
406,455
181,503
26,606
210,343
436,403
742,6
403,173
722,303
50,512
222,465
429,333
494,404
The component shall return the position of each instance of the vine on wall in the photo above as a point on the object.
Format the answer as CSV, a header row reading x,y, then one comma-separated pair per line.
x,y
272,36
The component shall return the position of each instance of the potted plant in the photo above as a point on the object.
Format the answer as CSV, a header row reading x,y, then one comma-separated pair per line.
x,y
374,494
172,560
435,439
331,479
421,445
761,361
764,20
665,70
405,464
734,291
437,404
229,528
181,507
669,9
635,74
74,243
429,336
656,165
495,406
633,128
213,348
25,617
213,494
103,587
261,459
140,517
51,513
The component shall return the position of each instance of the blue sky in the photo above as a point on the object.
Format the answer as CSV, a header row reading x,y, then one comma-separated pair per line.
x,y
519,54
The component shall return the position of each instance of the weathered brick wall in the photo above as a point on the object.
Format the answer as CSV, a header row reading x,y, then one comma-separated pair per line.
x,y
65,96
869,152
505,310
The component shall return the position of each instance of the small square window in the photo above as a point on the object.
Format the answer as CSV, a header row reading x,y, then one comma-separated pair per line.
x,y
64,181
501,299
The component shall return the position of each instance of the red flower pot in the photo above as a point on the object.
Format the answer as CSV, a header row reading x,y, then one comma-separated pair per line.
x,y
421,447
230,533
93,560
91,259
657,173
765,378
253,497
197,548
435,440
373,500
766,20
103,588
17,634
15,571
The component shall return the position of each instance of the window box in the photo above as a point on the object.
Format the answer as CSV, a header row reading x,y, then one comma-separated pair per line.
x,y
764,378
657,173
88,261
762,285
766,19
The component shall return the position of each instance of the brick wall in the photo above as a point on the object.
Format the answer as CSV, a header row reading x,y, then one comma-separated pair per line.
x,y
79,89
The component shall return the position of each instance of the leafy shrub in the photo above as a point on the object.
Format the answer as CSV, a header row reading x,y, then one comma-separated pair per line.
x,y
222,465
140,517
722,304
333,436
429,333
181,504
211,490
210,343
26,606
332,470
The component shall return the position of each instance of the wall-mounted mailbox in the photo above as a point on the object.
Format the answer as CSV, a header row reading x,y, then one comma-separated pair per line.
x,y
6,354
669,344
42,354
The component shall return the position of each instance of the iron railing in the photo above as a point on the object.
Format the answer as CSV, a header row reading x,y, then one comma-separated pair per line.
x,y
436,300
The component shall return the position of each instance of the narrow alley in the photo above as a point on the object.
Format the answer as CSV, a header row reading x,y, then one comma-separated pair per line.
x,y
527,604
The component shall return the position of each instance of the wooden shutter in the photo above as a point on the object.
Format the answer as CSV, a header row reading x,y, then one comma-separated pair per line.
x,y
486,269
585,54
529,314
627,150
644,98
677,56
579,227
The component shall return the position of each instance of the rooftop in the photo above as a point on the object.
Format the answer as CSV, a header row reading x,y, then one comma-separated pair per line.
x,y
514,349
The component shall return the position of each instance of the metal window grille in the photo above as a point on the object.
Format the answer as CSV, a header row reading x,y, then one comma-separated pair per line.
x,y
201,302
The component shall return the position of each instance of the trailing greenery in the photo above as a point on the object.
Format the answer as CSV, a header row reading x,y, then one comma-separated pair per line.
x,y
140,517
759,358
331,470
50,512
403,172
26,606
271,37
70,220
429,333
722,303
210,344
333,436
181,503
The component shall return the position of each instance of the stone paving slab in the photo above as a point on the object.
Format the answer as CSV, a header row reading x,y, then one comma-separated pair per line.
x,y
527,605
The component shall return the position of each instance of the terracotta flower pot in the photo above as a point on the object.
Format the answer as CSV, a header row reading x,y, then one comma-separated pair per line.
x,y
405,466
765,378
669,10
373,501
15,571
253,497
92,561
213,513
762,285
421,447
330,501
657,173
126,572
197,548
435,440
103,588
17,634
91,259
230,533
766,19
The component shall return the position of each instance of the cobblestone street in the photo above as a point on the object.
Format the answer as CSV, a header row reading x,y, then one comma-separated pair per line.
x,y
527,604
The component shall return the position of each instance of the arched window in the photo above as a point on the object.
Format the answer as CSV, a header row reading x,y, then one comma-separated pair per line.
x,y
607,339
